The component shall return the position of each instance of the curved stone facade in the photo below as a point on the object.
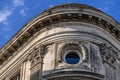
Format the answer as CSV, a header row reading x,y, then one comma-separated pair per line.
x,y
66,42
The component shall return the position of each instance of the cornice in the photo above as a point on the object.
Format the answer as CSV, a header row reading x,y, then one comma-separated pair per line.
x,y
42,21
72,72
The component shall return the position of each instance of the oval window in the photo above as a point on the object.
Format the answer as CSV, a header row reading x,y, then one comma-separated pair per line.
x,y
72,57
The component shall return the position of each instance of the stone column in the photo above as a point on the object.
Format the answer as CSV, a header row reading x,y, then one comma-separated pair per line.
x,y
55,54
25,70
118,69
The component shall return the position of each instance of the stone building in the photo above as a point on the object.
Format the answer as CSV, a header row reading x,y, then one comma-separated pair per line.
x,y
65,42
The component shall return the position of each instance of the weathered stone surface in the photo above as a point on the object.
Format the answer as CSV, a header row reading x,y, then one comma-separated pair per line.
x,y
41,49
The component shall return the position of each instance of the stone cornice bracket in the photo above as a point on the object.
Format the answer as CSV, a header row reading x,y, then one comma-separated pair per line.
x,y
42,50
36,55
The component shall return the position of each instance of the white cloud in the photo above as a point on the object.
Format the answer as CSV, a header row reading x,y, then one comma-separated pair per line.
x,y
18,2
23,12
7,11
4,14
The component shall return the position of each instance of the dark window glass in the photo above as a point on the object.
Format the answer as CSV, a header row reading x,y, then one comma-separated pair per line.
x,y
72,58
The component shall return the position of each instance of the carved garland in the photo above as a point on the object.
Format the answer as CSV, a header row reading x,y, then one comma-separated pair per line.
x,y
74,17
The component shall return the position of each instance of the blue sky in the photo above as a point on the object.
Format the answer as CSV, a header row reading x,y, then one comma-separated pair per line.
x,y
14,14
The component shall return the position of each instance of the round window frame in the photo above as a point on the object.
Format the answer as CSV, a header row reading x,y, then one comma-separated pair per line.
x,y
68,52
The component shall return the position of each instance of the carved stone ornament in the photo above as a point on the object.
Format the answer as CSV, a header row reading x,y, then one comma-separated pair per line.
x,y
37,54
109,55
91,58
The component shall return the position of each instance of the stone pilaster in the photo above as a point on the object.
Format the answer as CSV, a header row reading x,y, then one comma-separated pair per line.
x,y
25,70
110,57
36,58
